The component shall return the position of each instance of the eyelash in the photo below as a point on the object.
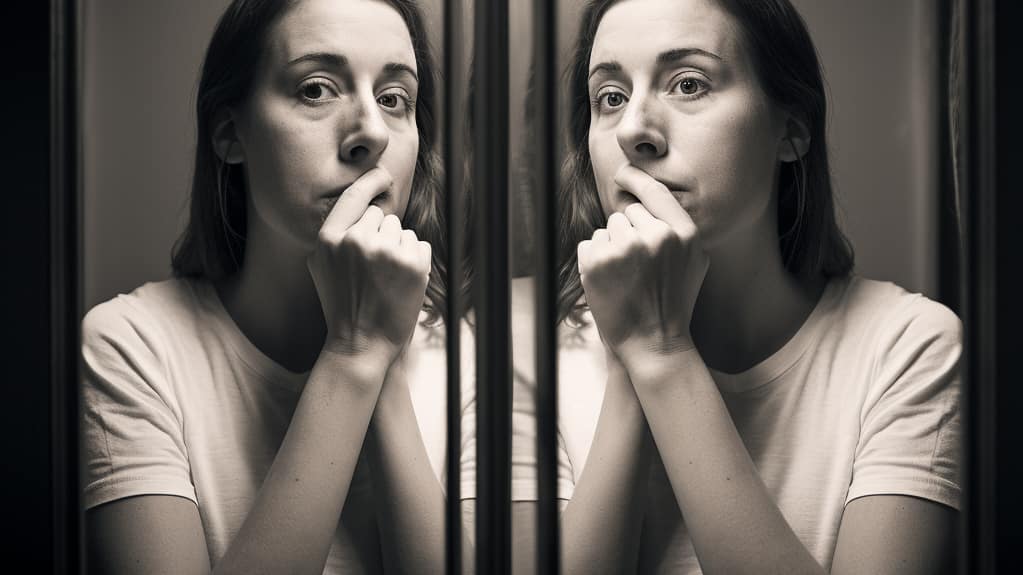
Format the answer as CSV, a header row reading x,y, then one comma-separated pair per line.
x,y
597,102
409,104
704,86
322,82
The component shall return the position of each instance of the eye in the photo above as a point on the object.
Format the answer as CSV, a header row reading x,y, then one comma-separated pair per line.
x,y
690,86
396,99
610,99
614,99
317,90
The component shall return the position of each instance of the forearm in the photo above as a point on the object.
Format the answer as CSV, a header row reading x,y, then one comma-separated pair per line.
x,y
295,515
734,523
600,526
409,498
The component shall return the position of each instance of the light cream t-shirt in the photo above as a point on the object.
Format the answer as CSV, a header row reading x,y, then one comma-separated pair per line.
x,y
863,400
177,401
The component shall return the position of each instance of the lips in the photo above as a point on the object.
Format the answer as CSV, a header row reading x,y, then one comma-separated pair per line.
x,y
333,196
673,187
335,193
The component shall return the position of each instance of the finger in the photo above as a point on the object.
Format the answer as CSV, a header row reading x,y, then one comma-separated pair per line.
x,y
582,254
369,223
356,198
618,227
409,239
656,198
601,236
639,216
426,255
390,230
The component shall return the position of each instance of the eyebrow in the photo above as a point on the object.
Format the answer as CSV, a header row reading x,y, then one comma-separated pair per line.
x,y
338,61
663,58
396,68
682,53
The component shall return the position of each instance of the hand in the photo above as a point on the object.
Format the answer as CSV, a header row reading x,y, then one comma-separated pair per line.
x,y
642,274
370,274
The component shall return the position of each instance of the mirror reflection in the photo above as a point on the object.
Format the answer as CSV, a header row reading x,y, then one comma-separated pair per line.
x,y
758,365
738,391
277,404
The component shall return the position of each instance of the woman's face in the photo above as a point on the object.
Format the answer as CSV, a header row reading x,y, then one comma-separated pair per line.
x,y
334,97
673,92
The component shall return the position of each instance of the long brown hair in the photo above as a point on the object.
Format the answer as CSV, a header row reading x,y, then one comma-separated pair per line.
x,y
789,72
213,243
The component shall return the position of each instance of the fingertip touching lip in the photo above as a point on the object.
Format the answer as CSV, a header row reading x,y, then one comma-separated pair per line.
x,y
673,187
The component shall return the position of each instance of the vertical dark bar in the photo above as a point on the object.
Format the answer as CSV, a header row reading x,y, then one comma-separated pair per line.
x,y
454,184
1008,181
949,246
65,299
27,232
978,205
545,74
492,289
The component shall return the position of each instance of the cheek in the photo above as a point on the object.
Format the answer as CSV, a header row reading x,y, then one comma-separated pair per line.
x,y
734,154
286,154
606,156
400,161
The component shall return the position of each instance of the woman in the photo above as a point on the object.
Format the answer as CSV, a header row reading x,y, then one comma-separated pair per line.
x,y
799,418
226,409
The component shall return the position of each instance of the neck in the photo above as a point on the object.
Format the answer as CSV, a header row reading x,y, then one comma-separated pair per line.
x,y
274,302
749,305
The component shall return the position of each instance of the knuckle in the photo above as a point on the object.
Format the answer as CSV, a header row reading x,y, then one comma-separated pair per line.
x,y
686,234
329,237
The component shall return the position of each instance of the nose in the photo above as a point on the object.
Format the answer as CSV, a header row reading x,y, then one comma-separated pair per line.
x,y
366,134
640,132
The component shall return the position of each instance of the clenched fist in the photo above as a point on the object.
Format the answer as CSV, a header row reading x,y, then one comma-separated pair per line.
x,y
642,273
370,274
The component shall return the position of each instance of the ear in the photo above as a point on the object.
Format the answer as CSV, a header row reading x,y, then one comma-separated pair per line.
x,y
225,138
795,142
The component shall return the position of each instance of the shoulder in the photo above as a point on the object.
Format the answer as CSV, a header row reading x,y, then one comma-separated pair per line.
x,y
141,322
910,344
891,314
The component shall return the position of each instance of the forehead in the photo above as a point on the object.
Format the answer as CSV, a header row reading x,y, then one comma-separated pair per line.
x,y
370,28
635,31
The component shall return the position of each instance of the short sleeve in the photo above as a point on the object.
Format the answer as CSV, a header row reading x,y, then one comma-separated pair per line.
x,y
132,432
910,433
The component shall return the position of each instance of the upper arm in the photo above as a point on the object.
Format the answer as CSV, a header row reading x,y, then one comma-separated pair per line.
x,y
896,534
146,534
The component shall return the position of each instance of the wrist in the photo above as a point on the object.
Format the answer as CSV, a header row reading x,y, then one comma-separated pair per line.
x,y
658,349
651,361
366,361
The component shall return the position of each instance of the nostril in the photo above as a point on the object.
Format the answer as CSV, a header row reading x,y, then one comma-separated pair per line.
x,y
359,153
646,148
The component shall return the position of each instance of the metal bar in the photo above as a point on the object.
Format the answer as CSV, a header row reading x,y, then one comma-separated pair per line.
x,y
492,288
978,195
547,162
454,184
65,287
